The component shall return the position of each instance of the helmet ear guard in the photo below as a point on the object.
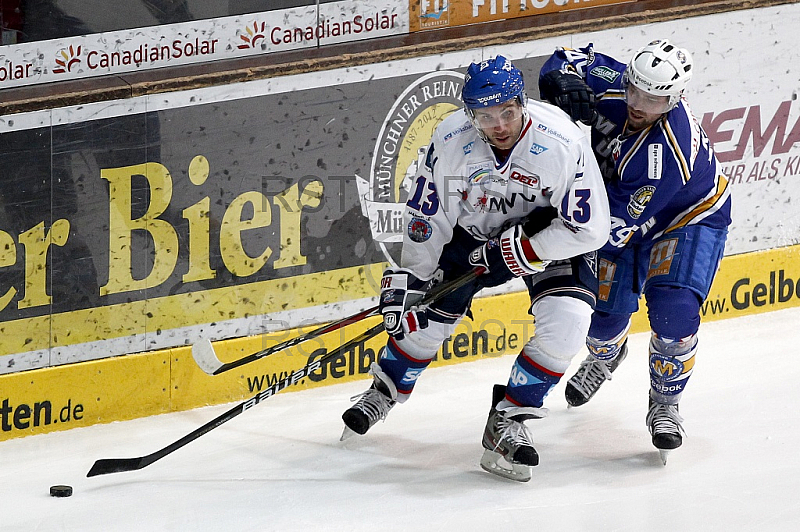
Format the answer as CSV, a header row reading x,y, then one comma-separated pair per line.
x,y
661,69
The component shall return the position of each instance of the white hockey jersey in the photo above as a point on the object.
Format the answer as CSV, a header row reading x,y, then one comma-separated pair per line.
x,y
462,182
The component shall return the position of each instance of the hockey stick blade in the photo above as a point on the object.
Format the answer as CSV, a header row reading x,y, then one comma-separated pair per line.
x,y
117,465
206,358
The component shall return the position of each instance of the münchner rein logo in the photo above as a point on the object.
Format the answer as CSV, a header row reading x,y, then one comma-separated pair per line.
x,y
400,149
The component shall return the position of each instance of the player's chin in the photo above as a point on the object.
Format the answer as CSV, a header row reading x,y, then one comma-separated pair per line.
x,y
639,120
502,143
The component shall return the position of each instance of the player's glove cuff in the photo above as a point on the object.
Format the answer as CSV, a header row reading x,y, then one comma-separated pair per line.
x,y
518,254
505,257
400,289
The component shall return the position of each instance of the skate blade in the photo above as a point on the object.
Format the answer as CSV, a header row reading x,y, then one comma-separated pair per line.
x,y
494,463
347,433
663,454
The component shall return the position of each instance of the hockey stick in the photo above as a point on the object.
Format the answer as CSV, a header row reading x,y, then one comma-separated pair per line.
x,y
205,356
117,465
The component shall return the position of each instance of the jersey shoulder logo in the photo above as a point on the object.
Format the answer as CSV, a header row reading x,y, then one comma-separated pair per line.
x,y
547,130
419,230
536,149
606,73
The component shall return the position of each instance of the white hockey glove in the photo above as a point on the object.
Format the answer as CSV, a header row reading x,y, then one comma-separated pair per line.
x,y
400,290
505,257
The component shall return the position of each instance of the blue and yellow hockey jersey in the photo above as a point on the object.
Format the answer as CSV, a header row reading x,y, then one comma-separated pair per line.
x,y
658,179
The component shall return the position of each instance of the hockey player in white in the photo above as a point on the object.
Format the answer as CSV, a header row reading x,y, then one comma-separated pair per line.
x,y
670,207
509,185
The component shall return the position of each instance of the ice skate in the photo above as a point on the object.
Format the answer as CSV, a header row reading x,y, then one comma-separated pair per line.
x,y
508,445
664,423
591,374
371,406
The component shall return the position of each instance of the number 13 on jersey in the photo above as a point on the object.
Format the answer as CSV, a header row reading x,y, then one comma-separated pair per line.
x,y
575,206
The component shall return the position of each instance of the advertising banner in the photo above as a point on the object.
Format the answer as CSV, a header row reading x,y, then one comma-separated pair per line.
x,y
122,51
437,14
257,207
120,388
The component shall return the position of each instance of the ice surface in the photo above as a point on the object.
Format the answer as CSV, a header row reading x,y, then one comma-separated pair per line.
x,y
280,466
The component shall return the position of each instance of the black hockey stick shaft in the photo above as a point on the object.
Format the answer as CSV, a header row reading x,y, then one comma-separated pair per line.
x,y
117,465
211,365
105,466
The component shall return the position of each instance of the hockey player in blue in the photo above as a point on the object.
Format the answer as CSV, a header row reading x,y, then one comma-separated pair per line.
x,y
670,210
510,185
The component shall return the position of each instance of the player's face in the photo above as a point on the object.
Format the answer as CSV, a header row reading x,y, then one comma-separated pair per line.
x,y
501,124
644,108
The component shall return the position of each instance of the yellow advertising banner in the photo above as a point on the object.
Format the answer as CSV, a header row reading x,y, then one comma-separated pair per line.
x,y
437,14
120,388
500,326
88,393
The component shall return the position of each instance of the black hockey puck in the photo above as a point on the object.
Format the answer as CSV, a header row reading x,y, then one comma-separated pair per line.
x,y
60,491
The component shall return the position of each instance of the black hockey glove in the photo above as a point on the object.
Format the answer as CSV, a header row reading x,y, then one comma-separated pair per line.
x,y
504,258
400,290
538,219
568,91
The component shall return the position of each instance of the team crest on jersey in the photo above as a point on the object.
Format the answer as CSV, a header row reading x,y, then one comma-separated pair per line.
x,y
400,152
639,201
419,230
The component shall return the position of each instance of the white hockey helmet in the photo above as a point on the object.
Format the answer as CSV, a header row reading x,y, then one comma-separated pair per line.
x,y
660,69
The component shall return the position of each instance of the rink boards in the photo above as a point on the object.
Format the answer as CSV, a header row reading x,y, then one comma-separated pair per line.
x,y
259,207
128,387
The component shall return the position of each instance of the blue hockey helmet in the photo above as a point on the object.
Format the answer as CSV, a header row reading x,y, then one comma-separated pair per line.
x,y
492,82
489,83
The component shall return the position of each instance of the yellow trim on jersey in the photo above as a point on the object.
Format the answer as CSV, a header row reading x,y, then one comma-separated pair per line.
x,y
639,143
711,204
611,94
674,146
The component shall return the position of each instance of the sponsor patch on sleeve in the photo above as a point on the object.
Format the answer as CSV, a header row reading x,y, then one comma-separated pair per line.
x,y
654,161
604,72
